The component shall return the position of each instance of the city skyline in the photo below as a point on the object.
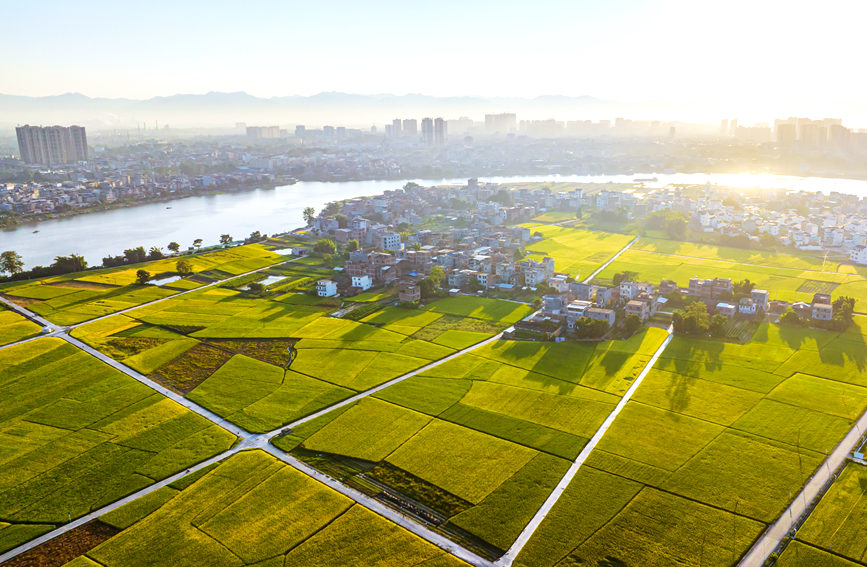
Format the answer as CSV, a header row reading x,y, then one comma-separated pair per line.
x,y
629,50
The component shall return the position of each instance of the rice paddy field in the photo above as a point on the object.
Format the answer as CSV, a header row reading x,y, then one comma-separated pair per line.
x,y
15,327
709,451
481,440
253,509
264,362
76,434
74,298
787,276
837,525
575,251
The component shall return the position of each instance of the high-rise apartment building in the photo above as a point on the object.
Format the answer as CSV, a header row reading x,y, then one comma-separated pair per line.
x,y
263,132
504,123
395,127
52,145
427,130
410,127
440,131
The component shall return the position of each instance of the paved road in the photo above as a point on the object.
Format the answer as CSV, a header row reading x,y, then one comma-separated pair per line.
x,y
772,536
26,312
262,441
114,505
589,278
509,557
387,512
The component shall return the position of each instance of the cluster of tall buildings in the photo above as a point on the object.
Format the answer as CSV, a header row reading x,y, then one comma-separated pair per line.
x,y
433,130
52,145
263,132
799,133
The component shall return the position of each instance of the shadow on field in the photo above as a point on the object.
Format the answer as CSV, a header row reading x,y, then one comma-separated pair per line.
x,y
845,348
678,392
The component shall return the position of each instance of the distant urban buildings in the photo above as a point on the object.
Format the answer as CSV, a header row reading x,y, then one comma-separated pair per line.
x,y
440,131
427,130
504,123
52,145
263,131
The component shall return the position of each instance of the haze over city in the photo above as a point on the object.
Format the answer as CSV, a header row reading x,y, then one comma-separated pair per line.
x,y
670,60
433,284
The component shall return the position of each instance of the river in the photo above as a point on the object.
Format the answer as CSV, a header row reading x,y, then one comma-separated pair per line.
x,y
96,235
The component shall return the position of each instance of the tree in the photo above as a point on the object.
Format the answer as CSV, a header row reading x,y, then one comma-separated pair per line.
x,y
675,226
694,320
718,325
342,221
71,263
11,262
255,237
518,254
789,317
225,238
632,323
135,255
142,277
415,246
437,275
325,246
197,243
332,209
256,288
183,268
328,260
155,253
309,214
504,197
626,276
427,288
174,247
743,287
352,245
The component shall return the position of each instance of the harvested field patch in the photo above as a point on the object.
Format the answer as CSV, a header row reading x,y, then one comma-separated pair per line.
x,y
191,368
65,547
419,489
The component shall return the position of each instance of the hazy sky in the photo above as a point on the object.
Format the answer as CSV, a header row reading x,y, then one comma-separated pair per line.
x,y
735,54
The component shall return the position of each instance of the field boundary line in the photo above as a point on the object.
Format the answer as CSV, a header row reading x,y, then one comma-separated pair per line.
x,y
509,557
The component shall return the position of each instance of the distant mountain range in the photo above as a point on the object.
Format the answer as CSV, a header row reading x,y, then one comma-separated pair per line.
x,y
224,110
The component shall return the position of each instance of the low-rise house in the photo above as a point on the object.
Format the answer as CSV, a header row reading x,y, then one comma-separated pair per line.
x,y
599,313
409,292
761,297
326,288
638,308
362,282
821,308
726,309
746,306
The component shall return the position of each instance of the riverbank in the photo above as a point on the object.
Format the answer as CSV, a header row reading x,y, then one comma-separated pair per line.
x,y
12,221
278,210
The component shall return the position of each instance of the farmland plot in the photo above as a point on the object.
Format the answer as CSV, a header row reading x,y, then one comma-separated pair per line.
x,y
75,434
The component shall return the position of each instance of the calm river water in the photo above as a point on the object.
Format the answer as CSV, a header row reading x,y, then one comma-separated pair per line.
x,y
97,235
